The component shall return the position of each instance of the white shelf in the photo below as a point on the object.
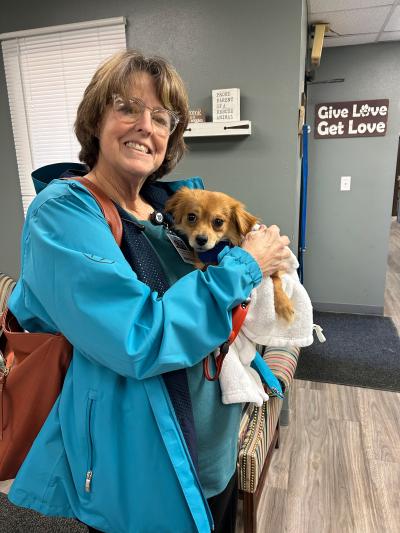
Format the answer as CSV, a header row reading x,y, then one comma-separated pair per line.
x,y
218,129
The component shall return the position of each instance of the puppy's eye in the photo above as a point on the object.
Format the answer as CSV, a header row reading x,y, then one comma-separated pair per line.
x,y
218,222
191,217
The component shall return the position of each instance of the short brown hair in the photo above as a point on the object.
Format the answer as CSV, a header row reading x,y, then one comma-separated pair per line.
x,y
114,76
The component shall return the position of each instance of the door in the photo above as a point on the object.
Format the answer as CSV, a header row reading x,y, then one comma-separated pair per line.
x,y
396,194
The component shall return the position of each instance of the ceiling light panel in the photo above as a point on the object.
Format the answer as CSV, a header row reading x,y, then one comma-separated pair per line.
x,y
316,6
354,21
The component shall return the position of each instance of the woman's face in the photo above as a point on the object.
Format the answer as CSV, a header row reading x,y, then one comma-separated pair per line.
x,y
132,150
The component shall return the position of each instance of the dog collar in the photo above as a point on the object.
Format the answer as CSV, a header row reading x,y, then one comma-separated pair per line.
x,y
211,256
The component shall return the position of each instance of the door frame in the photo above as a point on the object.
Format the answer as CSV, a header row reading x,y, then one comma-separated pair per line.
x,y
396,192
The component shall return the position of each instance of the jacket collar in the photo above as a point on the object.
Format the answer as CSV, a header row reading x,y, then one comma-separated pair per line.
x,y
154,192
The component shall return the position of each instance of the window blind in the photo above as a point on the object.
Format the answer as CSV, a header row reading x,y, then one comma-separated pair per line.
x,y
46,76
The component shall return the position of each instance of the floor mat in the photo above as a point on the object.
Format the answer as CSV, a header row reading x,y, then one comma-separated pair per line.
x,y
360,350
19,520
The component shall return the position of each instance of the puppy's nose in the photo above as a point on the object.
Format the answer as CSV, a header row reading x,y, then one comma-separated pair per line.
x,y
201,239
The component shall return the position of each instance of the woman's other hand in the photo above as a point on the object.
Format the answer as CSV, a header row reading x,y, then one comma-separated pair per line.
x,y
268,248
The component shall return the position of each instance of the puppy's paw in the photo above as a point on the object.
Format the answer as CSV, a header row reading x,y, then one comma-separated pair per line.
x,y
284,309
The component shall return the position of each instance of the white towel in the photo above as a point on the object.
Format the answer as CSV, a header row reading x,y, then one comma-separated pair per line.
x,y
238,381
263,326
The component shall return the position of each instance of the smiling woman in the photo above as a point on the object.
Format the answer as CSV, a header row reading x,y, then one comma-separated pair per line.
x,y
130,124
130,150
138,440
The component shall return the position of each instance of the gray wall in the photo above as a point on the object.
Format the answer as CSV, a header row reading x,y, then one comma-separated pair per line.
x,y
257,46
348,232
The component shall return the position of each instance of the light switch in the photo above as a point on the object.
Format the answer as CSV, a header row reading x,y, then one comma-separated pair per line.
x,y
345,183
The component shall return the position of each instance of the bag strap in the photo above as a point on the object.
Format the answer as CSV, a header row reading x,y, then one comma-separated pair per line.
x,y
8,320
238,316
107,206
267,376
110,212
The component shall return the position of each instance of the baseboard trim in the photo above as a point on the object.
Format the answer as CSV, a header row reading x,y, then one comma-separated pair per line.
x,y
348,308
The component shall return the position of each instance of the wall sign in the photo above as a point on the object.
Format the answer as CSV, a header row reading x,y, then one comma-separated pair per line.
x,y
197,115
361,118
226,105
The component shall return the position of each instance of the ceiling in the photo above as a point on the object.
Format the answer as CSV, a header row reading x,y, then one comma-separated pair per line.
x,y
357,21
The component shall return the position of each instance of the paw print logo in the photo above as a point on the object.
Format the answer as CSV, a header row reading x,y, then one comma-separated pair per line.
x,y
364,110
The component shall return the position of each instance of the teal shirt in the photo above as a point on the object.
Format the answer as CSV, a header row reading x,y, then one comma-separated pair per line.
x,y
217,425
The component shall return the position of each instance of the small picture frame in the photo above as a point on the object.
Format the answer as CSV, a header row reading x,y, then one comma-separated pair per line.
x,y
226,105
197,115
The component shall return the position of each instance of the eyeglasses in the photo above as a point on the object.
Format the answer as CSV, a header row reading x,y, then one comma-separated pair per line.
x,y
129,110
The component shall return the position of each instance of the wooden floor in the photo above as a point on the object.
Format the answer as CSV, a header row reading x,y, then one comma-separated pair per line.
x,y
338,467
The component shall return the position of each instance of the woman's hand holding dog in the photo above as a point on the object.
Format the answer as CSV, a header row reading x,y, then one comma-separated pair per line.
x,y
268,248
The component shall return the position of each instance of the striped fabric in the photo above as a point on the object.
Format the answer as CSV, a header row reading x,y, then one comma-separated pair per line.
x,y
282,362
244,423
258,424
7,285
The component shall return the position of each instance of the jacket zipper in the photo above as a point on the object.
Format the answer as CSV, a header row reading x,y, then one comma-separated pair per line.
x,y
4,371
89,472
3,377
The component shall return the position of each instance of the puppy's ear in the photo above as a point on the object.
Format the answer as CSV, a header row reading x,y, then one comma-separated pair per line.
x,y
243,219
174,205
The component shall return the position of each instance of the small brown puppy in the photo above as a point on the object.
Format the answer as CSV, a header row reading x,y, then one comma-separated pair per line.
x,y
208,217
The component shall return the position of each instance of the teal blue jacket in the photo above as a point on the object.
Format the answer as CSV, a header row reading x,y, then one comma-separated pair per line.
x,y
114,417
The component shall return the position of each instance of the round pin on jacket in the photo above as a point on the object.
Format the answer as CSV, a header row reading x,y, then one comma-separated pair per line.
x,y
157,218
